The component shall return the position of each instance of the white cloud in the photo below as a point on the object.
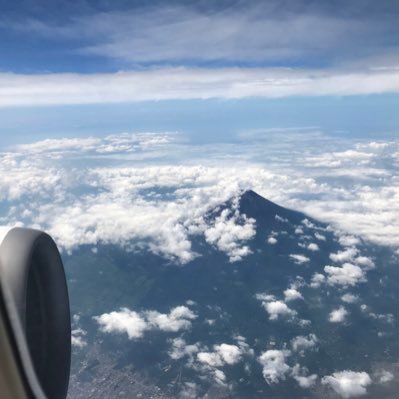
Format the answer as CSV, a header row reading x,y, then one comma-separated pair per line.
x,y
306,381
348,384
306,222
304,322
88,205
387,318
244,347
364,307
300,375
274,366
320,237
230,354
313,247
117,143
179,318
189,391
317,280
52,200
209,362
220,377
272,240
280,219
124,321
265,297
187,83
222,354
302,343
135,324
338,315
278,308
256,32
348,240
384,376
346,275
180,349
365,262
347,255
349,298
291,294
299,259
77,338
227,233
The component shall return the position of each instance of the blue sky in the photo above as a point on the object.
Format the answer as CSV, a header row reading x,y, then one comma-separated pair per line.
x,y
206,121
104,36
208,69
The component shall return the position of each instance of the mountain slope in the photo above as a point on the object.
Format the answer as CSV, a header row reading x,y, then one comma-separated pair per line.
x,y
271,324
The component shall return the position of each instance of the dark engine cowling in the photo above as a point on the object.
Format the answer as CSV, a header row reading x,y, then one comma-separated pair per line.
x,y
34,285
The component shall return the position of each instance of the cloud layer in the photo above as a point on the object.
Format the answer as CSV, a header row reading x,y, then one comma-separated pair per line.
x,y
186,83
124,189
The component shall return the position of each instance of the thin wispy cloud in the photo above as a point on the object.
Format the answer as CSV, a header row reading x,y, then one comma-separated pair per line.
x,y
303,34
189,83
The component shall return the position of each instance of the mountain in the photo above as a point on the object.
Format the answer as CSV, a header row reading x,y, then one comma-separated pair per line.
x,y
289,309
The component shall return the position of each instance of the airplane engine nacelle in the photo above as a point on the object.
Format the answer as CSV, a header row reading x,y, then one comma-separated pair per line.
x,y
34,286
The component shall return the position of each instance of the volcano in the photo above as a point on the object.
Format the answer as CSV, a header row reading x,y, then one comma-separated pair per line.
x,y
303,308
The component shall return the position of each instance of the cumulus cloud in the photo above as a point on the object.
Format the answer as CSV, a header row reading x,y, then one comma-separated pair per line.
x,y
299,259
276,369
272,240
222,354
301,376
210,362
349,298
278,308
291,294
135,324
348,384
302,343
179,318
265,297
365,262
274,365
220,377
313,247
348,240
320,237
317,280
227,233
344,256
124,321
384,376
77,338
338,315
346,275
180,349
